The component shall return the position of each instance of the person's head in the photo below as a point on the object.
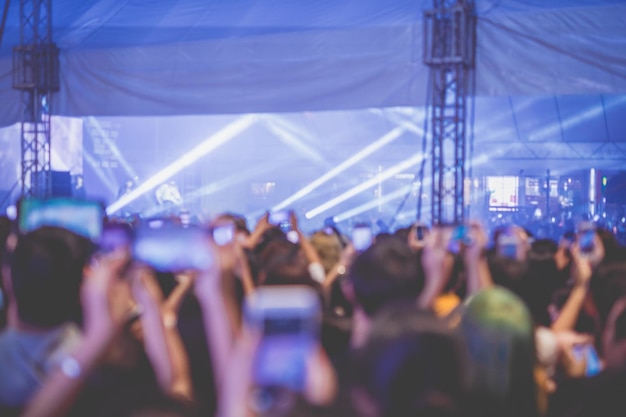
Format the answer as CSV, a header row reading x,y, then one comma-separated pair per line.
x,y
387,271
607,285
241,226
500,342
328,247
283,263
614,336
46,273
412,364
611,246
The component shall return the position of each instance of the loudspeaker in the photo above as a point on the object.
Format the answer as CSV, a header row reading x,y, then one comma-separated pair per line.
x,y
60,183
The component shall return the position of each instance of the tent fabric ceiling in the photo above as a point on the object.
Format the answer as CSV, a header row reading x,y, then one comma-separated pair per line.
x,y
141,57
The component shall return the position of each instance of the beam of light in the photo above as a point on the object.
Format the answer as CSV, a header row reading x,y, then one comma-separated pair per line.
x,y
407,163
363,153
403,116
222,136
108,182
572,121
295,143
401,192
112,146
293,128
214,187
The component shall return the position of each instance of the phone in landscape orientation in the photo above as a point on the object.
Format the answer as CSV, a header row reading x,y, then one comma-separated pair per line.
x,y
172,248
289,319
83,217
362,237
586,241
588,352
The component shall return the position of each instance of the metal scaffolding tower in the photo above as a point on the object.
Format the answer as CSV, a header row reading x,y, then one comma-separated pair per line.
x,y
449,48
36,75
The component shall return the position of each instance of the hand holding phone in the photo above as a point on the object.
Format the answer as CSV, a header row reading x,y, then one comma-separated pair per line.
x,y
460,237
586,241
288,317
588,353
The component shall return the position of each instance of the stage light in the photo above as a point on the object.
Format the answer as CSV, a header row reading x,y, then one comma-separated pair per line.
x,y
363,153
407,163
219,138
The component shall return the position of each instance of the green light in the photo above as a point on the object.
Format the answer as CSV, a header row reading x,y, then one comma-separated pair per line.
x,y
604,181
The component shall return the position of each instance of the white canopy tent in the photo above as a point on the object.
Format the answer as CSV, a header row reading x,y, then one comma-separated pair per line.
x,y
550,78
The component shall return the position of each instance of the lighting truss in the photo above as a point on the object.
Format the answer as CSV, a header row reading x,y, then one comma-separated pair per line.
x,y
449,39
36,75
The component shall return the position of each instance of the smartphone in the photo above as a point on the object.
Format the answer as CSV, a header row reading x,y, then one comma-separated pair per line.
x,y
172,248
289,319
420,232
282,219
115,236
460,236
508,243
589,353
223,234
586,241
83,217
362,237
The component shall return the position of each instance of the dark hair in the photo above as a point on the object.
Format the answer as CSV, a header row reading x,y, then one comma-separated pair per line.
x,y
543,250
413,364
386,271
238,220
612,248
282,263
403,233
5,230
46,272
608,284
620,326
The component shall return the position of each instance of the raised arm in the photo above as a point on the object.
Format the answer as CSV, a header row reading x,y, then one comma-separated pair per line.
x,y
477,270
101,323
581,274
218,330
437,264
161,339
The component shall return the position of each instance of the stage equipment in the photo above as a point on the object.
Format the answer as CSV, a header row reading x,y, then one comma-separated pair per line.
x,y
449,49
36,76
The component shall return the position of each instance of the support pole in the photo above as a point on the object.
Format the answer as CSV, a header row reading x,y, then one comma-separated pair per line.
x,y
449,49
36,75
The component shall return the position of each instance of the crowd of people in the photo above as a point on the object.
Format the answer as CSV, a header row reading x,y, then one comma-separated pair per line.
x,y
441,320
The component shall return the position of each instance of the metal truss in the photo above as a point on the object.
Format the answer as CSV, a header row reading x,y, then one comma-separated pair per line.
x,y
36,75
449,45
